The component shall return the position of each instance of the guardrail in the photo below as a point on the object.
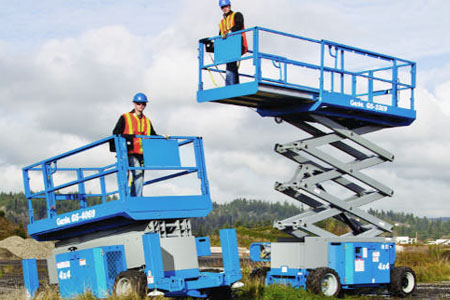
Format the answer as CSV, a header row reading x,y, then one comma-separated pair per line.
x,y
57,179
286,60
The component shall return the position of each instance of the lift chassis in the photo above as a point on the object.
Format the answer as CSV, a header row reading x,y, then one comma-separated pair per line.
x,y
110,242
357,92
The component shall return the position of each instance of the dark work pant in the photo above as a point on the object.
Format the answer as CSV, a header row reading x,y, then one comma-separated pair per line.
x,y
232,74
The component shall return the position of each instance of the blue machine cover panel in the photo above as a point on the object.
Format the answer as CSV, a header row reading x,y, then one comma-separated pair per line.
x,y
203,246
92,270
227,50
361,263
161,152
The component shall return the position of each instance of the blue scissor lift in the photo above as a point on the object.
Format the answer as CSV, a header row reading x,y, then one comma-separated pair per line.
x,y
109,242
335,94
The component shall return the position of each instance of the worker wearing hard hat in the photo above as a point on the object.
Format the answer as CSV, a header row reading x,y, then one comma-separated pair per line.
x,y
231,22
131,124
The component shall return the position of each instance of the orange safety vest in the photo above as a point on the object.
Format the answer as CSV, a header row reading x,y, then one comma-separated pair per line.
x,y
137,126
225,26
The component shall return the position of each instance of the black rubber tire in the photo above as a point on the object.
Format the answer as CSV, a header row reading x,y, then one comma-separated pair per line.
x,y
323,281
220,293
259,273
403,282
130,282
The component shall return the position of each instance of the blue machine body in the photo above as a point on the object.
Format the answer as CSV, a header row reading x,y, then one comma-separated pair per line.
x,y
286,276
362,263
358,264
116,207
91,270
191,282
352,83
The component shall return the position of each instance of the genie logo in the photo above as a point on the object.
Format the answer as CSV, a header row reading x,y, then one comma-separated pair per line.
x,y
356,103
62,221
369,105
76,217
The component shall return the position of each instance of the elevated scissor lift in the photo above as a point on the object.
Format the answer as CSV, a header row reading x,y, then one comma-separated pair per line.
x,y
336,94
147,241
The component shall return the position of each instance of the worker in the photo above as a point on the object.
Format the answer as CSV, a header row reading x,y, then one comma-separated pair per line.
x,y
129,125
232,22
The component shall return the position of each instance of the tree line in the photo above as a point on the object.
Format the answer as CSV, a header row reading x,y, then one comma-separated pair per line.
x,y
256,213
241,212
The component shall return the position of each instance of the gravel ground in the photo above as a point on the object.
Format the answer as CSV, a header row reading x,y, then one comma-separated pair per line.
x,y
438,290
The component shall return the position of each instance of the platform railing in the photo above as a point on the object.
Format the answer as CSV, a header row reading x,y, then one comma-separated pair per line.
x,y
52,193
341,69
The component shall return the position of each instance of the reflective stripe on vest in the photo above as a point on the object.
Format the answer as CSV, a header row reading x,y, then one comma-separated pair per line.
x,y
137,126
227,23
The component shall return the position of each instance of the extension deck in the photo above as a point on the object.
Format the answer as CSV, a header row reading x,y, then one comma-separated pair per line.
x,y
357,85
112,206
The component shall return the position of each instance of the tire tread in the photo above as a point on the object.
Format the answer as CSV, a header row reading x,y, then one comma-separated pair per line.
x,y
395,286
137,279
314,280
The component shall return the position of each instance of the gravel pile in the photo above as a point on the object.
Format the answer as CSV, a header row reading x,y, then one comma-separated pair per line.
x,y
27,248
5,254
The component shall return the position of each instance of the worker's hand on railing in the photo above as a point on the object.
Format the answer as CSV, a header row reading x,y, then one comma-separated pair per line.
x,y
225,34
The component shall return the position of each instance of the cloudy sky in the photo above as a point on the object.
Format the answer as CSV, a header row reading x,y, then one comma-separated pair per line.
x,y
69,68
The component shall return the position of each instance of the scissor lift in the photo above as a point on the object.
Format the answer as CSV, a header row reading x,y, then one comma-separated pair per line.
x,y
109,242
335,94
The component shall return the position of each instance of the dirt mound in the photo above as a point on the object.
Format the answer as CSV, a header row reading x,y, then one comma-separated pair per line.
x,y
27,248
8,228
5,254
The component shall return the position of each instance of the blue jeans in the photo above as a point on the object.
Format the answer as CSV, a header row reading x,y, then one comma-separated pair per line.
x,y
137,176
232,75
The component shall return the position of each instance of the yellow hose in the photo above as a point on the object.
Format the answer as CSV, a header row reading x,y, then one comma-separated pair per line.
x,y
212,78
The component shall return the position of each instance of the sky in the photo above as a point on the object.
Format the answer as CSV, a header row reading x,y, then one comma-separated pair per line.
x,y
69,69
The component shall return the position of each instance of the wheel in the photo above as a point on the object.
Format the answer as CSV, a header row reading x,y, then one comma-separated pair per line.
x,y
403,282
130,282
323,281
259,273
220,293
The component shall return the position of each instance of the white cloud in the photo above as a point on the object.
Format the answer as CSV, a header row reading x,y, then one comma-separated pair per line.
x,y
71,86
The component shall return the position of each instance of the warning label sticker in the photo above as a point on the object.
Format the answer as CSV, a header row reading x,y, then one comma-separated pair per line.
x,y
376,256
359,265
63,264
